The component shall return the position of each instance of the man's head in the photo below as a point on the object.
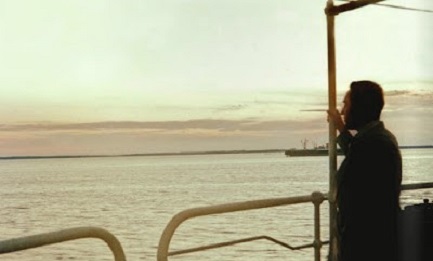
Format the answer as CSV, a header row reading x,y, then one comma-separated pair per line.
x,y
363,104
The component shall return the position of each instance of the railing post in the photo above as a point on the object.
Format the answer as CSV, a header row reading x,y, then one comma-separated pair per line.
x,y
317,199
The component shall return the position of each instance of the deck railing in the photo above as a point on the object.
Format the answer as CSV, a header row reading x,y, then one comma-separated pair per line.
x,y
316,198
39,240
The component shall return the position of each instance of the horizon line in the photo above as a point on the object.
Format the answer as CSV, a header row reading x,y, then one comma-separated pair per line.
x,y
182,153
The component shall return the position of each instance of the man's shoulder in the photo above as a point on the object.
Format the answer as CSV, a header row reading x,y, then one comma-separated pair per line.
x,y
377,138
379,132
387,136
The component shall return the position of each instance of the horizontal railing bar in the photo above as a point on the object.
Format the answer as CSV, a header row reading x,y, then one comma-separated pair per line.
x,y
241,206
243,240
417,186
39,240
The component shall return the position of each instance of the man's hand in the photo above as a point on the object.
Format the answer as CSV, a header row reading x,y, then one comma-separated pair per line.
x,y
335,117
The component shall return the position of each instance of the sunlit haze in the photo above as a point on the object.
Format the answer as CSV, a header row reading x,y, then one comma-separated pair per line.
x,y
134,76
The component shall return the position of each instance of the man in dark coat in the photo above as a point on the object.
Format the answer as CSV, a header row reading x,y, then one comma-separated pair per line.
x,y
369,178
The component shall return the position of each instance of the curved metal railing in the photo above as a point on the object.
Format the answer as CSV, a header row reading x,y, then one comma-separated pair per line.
x,y
39,240
316,198
417,186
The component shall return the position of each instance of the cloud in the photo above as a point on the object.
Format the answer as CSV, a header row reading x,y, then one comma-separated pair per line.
x,y
408,115
409,100
230,108
145,137
396,93
203,124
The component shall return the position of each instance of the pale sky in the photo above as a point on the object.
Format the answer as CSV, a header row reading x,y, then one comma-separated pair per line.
x,y
139,76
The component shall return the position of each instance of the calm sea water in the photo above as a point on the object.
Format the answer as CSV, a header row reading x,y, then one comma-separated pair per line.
x,y
135,197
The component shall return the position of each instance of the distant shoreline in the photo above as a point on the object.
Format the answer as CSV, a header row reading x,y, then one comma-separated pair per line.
x,y
186,153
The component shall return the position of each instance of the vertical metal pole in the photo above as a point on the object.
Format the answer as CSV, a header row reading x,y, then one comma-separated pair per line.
x,y
332,104
317,241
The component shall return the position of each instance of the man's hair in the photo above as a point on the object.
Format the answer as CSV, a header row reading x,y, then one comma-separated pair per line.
x,y
367,101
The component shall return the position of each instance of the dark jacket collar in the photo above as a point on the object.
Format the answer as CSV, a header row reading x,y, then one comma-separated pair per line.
x,y
369,128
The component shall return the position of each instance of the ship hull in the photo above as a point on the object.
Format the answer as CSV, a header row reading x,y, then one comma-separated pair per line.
x,y
307,152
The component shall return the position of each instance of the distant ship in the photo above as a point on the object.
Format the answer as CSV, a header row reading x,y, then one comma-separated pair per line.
x,y
309,152
317,151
